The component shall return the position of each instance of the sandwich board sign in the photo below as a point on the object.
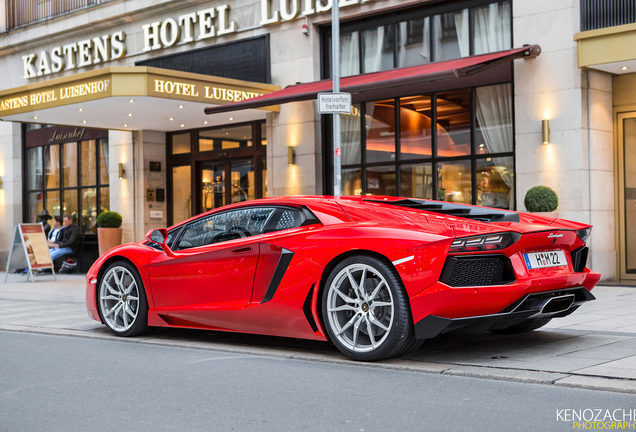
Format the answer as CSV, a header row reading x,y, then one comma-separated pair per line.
x,y
29,250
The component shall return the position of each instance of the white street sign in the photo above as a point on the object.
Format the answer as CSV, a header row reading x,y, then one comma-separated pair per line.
x,y
332,103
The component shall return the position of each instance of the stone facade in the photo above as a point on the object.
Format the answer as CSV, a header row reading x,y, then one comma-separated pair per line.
x,y
578,163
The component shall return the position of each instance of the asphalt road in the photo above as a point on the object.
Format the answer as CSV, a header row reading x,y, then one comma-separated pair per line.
x,y
59,383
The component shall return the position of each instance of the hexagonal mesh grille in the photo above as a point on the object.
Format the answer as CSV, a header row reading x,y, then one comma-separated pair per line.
x,y
477,272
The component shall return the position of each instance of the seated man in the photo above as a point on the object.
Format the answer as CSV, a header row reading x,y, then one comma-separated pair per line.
x,y
67,240
56,233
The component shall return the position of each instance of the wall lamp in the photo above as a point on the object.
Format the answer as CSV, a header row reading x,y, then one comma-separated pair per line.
x,y
290,155
545,131
122,171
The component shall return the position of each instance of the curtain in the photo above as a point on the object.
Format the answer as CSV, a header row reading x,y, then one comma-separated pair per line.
x,y
349,54
463,38
492,28
494,103
373,40
350,136
494,115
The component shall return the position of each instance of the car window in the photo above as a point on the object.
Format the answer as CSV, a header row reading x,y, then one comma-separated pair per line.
x,y
284,219
226,226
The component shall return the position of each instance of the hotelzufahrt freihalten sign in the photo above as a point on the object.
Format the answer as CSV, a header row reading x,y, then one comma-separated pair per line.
x,y
334,103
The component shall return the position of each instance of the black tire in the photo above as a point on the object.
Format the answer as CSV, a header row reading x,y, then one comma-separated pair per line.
x,y
124,301
388,331
523,327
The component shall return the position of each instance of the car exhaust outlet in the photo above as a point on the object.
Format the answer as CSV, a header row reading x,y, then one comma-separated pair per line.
x,y
558,304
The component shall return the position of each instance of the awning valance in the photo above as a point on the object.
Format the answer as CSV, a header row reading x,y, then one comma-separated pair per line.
x,y
384,80
130,98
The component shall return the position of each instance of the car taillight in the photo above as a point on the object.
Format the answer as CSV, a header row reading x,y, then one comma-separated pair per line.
x,y
584,234
484,243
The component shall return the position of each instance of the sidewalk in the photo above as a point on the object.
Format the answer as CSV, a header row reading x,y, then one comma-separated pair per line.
x,y
597,341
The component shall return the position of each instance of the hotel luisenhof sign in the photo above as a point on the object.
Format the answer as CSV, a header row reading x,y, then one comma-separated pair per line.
x,y
187,28
100,87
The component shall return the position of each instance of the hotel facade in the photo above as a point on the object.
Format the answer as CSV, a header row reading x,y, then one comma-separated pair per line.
x,y
102,107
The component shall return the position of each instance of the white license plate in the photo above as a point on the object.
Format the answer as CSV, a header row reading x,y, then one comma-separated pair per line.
x,y
535,260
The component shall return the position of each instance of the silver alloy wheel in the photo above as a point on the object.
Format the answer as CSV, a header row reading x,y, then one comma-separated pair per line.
x,y
119,299
360,308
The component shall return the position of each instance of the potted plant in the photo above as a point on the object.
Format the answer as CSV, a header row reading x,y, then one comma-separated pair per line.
x,y
542,200
109,231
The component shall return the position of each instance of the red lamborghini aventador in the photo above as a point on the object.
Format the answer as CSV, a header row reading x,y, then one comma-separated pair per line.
x,y
374,275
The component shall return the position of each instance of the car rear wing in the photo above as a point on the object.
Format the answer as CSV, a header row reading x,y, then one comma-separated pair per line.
x,y
481,214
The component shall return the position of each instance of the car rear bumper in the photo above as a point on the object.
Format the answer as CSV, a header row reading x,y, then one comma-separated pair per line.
x,y
551,304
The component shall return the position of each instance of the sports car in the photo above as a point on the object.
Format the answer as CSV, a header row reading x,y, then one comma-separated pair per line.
x,y
374,275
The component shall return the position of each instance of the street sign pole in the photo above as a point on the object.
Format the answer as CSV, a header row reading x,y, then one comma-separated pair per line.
x,y
335,74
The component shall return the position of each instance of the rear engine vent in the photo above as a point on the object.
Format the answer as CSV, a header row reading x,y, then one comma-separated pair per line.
x,y
579,258
477,271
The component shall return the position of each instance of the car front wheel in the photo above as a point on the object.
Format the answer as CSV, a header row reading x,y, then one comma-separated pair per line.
x,y
366,310
122,300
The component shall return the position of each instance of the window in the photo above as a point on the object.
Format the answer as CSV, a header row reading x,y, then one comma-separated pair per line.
x,y
69,178
230,225
454,145
431,33
467,158
209,168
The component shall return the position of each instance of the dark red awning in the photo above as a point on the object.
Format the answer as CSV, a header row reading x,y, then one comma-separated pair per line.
x,y
382,80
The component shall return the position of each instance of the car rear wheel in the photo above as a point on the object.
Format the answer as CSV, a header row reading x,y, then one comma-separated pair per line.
x,y
122,300
523,327
366,310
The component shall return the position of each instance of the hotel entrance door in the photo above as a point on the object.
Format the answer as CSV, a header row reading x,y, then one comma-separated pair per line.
x,y
627,194
215,166
226,182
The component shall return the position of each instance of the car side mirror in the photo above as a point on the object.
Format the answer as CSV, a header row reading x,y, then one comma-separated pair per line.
x,y
159,236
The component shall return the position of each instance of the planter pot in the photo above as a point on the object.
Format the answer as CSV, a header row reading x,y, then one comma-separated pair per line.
x,y
108,238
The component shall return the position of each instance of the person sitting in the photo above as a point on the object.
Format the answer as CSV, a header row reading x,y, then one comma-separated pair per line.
x,y
67,239
56,233
44,217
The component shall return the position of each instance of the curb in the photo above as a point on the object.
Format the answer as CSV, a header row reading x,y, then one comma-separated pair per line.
x,y
483,372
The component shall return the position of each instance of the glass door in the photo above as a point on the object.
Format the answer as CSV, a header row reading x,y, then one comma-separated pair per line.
x,y
212,181
627,194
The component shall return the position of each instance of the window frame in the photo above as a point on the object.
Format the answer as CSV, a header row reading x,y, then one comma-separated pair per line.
x,y
61,188
406,15
196,158
306,218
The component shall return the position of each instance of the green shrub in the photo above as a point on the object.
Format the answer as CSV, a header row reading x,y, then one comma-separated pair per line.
x,y
109,219
541,199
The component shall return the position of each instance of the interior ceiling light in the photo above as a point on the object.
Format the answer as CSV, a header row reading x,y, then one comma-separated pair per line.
x,y
35,117
231,118
132,100
129,114
125,125
180,106
205,122
81,109
171,118
182,125
624,68
83,121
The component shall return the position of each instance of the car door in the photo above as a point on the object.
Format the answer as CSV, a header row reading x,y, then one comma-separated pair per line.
x,y
213,267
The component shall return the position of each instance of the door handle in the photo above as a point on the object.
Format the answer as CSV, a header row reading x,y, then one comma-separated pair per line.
x,y
242,250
